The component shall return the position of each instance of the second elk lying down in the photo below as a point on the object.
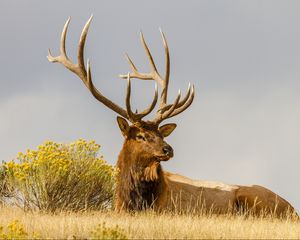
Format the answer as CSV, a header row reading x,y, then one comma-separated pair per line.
x,y
141,182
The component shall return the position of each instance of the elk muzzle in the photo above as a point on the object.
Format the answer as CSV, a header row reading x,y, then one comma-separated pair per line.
x,y
168,152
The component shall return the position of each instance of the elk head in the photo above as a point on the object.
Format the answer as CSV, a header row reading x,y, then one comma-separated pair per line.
x,y
146,136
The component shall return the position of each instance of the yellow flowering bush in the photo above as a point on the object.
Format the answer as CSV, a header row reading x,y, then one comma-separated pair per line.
x,y
60,176
104,232
15,230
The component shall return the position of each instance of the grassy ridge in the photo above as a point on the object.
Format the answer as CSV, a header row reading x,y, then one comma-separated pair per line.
x,y
148,225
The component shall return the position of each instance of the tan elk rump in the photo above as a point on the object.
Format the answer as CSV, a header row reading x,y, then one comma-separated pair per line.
x,y
141,182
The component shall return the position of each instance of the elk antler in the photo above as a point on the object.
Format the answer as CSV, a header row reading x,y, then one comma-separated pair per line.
x,y
85,75
165,110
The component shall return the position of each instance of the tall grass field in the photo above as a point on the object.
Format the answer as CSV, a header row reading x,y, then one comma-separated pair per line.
x,y
148,225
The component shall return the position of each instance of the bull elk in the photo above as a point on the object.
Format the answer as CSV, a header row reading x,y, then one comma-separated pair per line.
x,y
141,182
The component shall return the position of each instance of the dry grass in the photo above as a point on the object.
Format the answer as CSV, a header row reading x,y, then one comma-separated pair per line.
x,y
150,225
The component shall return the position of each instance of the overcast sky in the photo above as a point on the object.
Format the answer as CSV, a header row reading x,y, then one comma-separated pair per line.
x,y
242,56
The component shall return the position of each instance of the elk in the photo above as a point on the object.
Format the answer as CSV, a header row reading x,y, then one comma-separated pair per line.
x,y
142,183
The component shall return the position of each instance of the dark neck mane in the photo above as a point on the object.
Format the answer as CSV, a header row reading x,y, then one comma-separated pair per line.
x,y
140,181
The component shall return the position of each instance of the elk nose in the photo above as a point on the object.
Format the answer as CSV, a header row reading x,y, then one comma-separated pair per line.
x,y
168,150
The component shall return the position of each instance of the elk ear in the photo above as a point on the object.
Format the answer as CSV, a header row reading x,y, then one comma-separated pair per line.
x,y
123,125
167,129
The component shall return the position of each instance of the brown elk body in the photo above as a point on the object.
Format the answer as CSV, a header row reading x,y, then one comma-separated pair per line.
x,y
141,182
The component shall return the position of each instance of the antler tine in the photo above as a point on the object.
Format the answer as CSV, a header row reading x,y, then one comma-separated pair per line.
x,y
135,117
63,55
152,106
162,116
155,74
63,38
177,107
79,68
164,93
128,93
186,104
182,102
80,54
133,67
135,73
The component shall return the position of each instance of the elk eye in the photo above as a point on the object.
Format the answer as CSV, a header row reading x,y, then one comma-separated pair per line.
x,y
140,137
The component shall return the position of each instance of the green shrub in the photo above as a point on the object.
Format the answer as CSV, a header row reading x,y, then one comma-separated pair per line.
x,y
61,177
103,232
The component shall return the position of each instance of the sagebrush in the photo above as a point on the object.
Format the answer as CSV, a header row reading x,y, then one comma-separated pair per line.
x,y
60,176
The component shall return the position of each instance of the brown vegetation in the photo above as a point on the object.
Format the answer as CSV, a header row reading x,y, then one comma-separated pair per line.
x,y
144,225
